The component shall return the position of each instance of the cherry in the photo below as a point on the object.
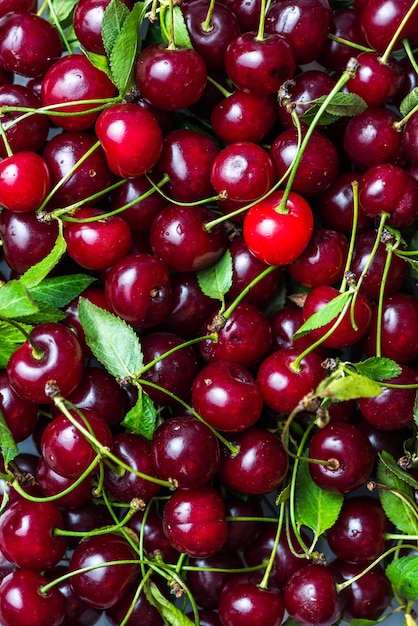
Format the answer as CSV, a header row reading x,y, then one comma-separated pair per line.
x,y
140,214
260,465
87,22
243,116
178,236
247,14
379,20
85,518
21,588
335,208
264,225
77,612
25,467
194,521
358,534
257,65
242,534
351,452
183,68
29,43
390,440
143,613
345,24
52,484
186,451
206,585
226,396
409,139
17,5
131,138
19,414
305,87
311,597
29,369
138,289
376,82
206,617
242,601
150,528
24,181
284,324
27,534
105,585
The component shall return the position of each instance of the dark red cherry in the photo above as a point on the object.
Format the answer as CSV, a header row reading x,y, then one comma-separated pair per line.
x,y
51,484
242,601
19,414
206,585
409,139
380,19
242,534
17,5
149,524
305,87
86,518
87,22
374,81
243,116
143,613
284,324
77,612
247,13
141,202
345,24
335,205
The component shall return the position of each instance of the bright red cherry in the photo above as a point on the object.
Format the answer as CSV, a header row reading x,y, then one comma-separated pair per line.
x,y
24,181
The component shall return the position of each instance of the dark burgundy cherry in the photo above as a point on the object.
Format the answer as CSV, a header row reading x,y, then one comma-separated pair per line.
x,y
390,440
134,450
206,617
97,245
409,139
305,87
284,323
85,518
374,81
206,586
247,13
244,339
358,534
102,587
51,484
148,525
24,466
87,22
62,154
311,597
259,66
410,80
29,43
19,414
187,157
77,612
345,24
183,68
185,450
226,396
243,601
335,205
138,289
242,171
210,38
351,452
178,236
144,204
65,448
305,26
29,371
6,567
318,167
17,5
369,596
21,588
143,613
243,117
323,260
6,78
283,387
260,465
392,409
194,521
27,534
24,181
380,19
242,534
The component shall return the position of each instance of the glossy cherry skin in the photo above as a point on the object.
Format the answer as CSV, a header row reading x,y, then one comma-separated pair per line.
x,y
380,20
29,373
259,66
260,465
352,452
185,70
283,387
24,181
242,602
194,521
243,116
206,586
409,139
17,5
20,414
102,587
242,534
144,613
26,534
149,524
21,588
77,612
185,450
305,87
284,324
29,43
51,484
65,448
87,22
310,596
86,518
375,82
247,14
138,289
139,215
178,236
335,205
345,24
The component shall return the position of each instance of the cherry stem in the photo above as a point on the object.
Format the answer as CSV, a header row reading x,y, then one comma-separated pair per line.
x,y
157,188
207,25
270,562
261,21
218,86
407,502
350,44
171,39
354,185
135,598
135,506
58,26
387,52
37,352
379,310
228,312
410,54
7,147
398,125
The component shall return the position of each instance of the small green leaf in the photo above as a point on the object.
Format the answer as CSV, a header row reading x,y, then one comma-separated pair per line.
x,y
378,368
45,313
390,463
342,105
170,613
369,622
349,388
409,102
10,339
142,418
216,280
123,55
400,509
283,495
403,574
113,342
113,18
35,274
181,34
315,508
63,8
416,411
15,301
324,316
100,61
60,290
8,446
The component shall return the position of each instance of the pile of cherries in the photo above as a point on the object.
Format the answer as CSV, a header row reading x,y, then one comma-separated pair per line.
x,y
252,172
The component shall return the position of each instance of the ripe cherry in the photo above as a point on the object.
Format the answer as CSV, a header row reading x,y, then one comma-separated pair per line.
x,y
243,116
24,181
206,585
20,414
139,215
374,81
242,601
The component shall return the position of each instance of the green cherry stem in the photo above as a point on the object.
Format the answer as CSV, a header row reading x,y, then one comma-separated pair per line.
x,y
354,186
220,88
261,21
410,54
104,530
37,353
387,52
3,136
270,563
379,310
166,197
58,26
207,25
350,44
228,312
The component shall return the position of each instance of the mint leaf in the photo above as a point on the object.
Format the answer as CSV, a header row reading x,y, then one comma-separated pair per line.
x,y
35,274
45,313
15,301
403,574
126,44
342,105
113,342
113,18
10,339
315,508
63,8
142,418
378,368
170,613
409,102
390,463
349,388
215,281
401,511
60,290
8,446
324,316
181,34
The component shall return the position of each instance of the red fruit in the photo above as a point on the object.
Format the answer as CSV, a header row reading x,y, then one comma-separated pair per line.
x,y
24,181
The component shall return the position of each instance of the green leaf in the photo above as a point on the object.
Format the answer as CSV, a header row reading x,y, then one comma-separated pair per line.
x,y
349,388
10,339
123,54
8,446
113,18
60,290
181,34
15,300
324,316
315,508
45,313
100,61
342,105
369,622
378,368
409,102
113,342
142,418
391,464
170,613
283,495
403,574
416,411
63,8
35,274
400,509
216,280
